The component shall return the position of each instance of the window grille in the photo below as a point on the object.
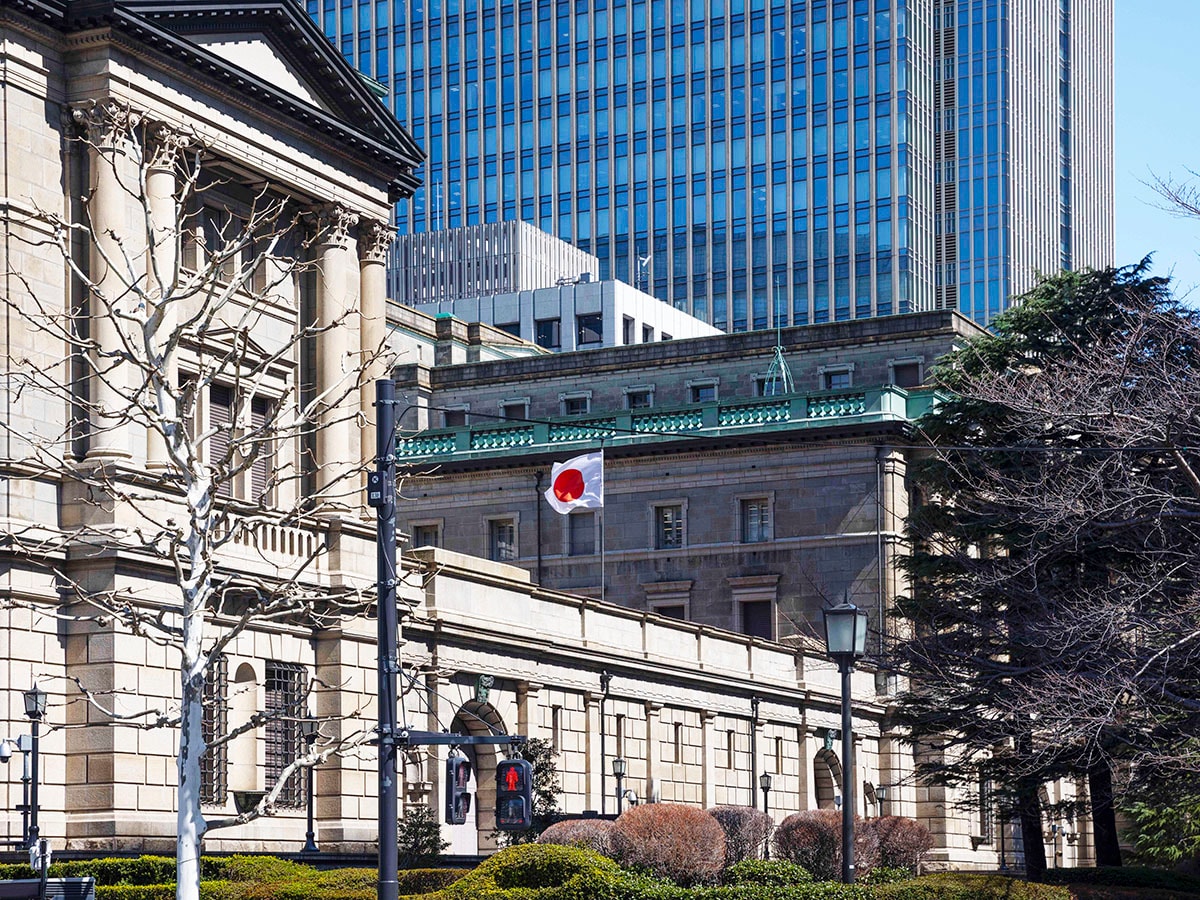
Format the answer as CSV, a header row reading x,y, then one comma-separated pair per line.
x,y
285,695
214,723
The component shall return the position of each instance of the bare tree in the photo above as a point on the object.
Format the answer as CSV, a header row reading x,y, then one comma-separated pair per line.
x,y
1055,619
193,429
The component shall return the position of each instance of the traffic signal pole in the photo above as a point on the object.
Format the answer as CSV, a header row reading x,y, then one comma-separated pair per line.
x,y
381,494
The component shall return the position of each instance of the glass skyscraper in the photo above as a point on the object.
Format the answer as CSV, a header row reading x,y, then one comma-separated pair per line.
x,y
755,161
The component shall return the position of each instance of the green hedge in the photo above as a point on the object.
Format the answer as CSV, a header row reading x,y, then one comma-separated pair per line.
x,y
963,886
1127,877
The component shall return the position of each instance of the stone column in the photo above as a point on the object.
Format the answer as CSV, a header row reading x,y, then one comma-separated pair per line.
x,y
708,759
164,145
529,713
115,264
653,715
337,356
374,239
591,705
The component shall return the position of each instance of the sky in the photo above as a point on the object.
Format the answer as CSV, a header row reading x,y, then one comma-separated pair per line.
x,y
1157,133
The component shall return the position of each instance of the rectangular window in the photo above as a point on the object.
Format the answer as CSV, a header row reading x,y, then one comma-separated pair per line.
x,y
667,337
556,727
678,743
220,418
768,387
668,530
502,540
758,619
627,326
589,329
513,328
261,421
581,527
214,765
285,690
547,333
985,810
514,409
836,379
906,375
639,398
576,405
672,611
730,749
426,536
703,392
620,741
454,418
756,520
647,334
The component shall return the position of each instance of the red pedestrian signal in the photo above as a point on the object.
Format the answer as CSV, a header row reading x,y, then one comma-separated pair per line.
x,y
514,795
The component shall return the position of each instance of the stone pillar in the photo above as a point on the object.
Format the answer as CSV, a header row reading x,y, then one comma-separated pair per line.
x,y
708,759
653,715
591,704
115,264
337,356
529,712
164,144
374,239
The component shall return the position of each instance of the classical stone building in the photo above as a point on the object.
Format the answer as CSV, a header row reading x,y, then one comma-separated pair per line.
x,y
98,92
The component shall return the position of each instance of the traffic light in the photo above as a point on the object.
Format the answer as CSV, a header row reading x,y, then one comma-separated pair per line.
x,y
514,795
458,798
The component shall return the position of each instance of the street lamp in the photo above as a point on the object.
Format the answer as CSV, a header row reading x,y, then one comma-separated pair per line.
x,y
35,709
846,642
308,728
764,782
619,774
881,793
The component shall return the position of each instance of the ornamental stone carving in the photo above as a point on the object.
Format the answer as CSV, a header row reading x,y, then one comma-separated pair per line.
x,y
332,223
374,241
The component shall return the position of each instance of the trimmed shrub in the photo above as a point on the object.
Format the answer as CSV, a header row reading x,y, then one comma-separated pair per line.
x,y
813,839
262,869
419,881
140,891
670,840
887,875
769,872
594,834
962,886
747,831
571,872
903,842
1127,877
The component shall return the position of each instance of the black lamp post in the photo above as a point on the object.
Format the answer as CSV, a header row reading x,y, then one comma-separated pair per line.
x,y
619,774
764,782
846,642
881,794
605,678
308,728
35,708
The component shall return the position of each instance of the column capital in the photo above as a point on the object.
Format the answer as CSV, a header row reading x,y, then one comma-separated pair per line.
x,y
99,120
165,143
332,223
374,241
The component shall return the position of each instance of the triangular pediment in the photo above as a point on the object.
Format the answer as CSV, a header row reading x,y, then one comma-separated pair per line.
x,y
255,53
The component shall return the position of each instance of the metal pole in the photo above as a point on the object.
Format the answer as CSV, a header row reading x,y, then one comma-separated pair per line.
x,y
34,828
26,780
605,678
385,463
767,812
753,750
537,490
620,797
310,839
847,777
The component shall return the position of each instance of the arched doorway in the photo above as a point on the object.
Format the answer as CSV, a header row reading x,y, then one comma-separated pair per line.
x,y
827,777
477,835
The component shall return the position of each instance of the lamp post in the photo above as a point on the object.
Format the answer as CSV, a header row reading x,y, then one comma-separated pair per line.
x,y
846,642
764,782
881,794
619,774
605,678
35,709
308,728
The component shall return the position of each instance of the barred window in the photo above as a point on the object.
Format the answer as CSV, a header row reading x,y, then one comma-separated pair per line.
x,y
214,722
286,684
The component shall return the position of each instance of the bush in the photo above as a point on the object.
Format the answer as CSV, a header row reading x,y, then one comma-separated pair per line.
x,y
572,872
420,838
813,839
670,840
903,842
1126,877
594,834
887,875
961,886
770,872
747,831
261,869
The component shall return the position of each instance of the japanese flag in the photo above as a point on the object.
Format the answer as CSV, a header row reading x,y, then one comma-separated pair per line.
x,y
578,483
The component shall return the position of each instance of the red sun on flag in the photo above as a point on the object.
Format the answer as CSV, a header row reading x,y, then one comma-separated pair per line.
x,y
568,485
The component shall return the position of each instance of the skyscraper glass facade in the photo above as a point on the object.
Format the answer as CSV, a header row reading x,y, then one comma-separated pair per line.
x,y
749,161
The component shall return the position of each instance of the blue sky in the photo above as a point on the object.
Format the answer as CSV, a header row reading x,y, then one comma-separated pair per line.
x,y
1157,132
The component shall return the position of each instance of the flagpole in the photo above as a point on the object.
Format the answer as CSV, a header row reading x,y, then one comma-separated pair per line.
x,y
602,561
